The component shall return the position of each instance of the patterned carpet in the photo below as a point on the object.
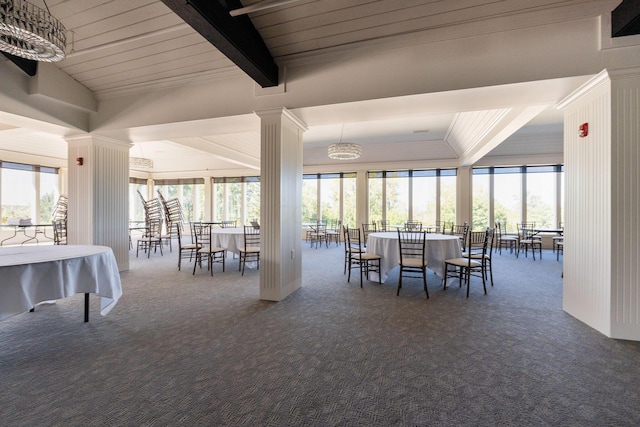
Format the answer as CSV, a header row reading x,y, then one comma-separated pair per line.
x,y
192,350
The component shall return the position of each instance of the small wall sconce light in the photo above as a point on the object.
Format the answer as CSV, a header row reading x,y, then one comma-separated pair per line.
x,y
79,161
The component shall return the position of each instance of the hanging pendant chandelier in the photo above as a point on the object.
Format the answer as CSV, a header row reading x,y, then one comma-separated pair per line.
x,y
344,150
30,32
140,163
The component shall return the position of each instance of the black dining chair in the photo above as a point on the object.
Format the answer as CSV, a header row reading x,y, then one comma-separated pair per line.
x,y
413,261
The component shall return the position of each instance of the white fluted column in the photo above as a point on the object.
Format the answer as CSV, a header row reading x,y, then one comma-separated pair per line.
x,y
98,193
602,186
280,204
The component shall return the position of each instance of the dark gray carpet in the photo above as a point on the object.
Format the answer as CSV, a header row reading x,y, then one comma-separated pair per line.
x,y
195,350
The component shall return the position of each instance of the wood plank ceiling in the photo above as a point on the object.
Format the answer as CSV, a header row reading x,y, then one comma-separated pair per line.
x,y
119,47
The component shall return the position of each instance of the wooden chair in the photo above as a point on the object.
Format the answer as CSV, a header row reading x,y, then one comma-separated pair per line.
x,y
184,248
382,225
152,237
412,257
318,235
332,233
560,237
413,226
366,229
360,259
479,253
347,248
462,231
528,239
558,246
60,232
503,239
205,248
466,267
250,252
228,224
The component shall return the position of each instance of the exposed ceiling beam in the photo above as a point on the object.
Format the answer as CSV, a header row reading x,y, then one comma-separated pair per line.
x,y
220,151
625,19
261,5
235,37
498,131
27,65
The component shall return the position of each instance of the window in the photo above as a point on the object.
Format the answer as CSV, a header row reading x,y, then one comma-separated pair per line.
x,y
329,197
507,198
190,192
518,194
541,195
28,191
236,199
420,195
136,208
424,196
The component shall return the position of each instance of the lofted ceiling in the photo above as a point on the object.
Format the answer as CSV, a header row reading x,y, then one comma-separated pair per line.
x,y
120,47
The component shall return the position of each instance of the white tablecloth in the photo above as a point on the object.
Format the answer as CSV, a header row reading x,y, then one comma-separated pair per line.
x,y
232,239
32,274
439,247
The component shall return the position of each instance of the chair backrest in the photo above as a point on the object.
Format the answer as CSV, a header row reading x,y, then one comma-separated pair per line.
x,y
413,226
382,225
491,242
154,227
462,231
228,224
251,237
366,229
525,230
354,239
201,233
477,242
412,244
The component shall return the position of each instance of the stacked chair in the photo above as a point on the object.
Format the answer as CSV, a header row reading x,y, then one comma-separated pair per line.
x,y
174,219
59,220
153,219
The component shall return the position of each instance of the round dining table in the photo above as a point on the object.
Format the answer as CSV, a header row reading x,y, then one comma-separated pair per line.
x,y
232,239
438,248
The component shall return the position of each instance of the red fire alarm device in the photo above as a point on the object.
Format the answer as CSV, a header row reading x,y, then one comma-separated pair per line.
x,y
583,130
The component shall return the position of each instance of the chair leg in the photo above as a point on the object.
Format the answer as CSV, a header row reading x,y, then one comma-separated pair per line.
x,y
491,274
424,281
400,282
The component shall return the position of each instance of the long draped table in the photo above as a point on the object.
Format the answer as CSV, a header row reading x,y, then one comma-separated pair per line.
x,y
438,248
32,274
